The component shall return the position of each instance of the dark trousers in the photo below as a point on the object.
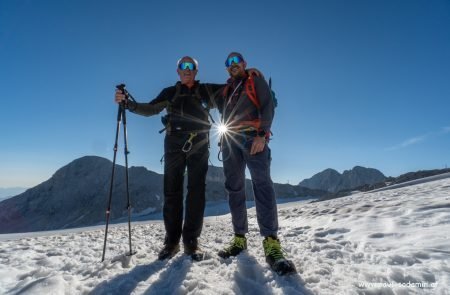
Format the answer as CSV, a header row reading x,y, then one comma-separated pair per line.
x,y
236,156
176,161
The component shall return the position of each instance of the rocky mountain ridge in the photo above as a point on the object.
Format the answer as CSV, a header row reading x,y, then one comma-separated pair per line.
x,y
332,181
76,195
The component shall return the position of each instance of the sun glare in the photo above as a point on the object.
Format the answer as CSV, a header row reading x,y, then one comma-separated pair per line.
x,y
222,128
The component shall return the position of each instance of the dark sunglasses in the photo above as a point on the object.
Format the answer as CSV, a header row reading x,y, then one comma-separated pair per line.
x,y
186,65
233,59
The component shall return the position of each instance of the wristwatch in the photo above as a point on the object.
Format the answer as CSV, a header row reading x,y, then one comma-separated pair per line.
x,y
262,133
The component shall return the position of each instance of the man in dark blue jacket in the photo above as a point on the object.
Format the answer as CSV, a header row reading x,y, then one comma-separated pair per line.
x,y
247,109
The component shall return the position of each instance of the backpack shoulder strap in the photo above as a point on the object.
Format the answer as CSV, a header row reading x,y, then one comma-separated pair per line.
x,y
201,99
205,104
177,92
225,90
251,91
172,99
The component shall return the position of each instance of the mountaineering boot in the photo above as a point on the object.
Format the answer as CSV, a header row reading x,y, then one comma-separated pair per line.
x,y
168,251
237,245
275,258
192,249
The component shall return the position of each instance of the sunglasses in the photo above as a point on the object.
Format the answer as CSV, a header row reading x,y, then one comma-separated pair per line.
x,y
233,59
186,65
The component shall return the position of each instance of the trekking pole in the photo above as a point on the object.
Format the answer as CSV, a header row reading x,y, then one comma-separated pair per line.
x,y
126,152
120,117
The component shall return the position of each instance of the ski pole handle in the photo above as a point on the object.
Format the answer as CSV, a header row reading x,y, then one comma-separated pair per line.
x,y
121,87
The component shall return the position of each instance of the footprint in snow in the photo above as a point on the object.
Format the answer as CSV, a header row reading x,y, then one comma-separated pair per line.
x,y
331,231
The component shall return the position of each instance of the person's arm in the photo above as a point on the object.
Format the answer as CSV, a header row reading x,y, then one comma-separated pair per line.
x,y
147,109
266,103
266,111
154,107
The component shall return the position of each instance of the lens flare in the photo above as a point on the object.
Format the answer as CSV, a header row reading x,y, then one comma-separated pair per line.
x,y
222,129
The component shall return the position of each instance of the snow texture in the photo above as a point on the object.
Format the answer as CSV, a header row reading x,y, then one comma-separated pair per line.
x,y
388,242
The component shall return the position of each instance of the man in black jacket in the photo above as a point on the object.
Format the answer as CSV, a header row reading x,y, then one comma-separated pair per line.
x,y
185,146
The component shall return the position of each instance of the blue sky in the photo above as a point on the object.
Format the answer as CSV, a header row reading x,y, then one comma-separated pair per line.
x,y
358,82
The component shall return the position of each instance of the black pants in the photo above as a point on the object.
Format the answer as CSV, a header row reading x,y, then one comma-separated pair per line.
x,y
176,162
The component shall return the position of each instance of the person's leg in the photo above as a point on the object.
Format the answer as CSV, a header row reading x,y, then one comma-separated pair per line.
x,y
265,201
266,210
197,167
234,170
174,166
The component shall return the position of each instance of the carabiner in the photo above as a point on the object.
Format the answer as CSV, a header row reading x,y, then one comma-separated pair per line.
x,y
188,144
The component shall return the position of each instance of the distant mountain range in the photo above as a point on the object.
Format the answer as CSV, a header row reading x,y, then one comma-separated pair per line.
x,y
332,181
76,195
389,182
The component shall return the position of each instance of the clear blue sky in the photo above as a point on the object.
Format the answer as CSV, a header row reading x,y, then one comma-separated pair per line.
x,y
358,82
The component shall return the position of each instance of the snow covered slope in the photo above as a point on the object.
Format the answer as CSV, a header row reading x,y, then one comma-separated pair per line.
x,y
387,242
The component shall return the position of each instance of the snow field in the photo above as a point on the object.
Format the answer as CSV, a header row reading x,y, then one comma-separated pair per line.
x,y
387,242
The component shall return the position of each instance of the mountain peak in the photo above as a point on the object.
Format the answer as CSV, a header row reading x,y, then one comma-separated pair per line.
x,y
332,181
330,170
